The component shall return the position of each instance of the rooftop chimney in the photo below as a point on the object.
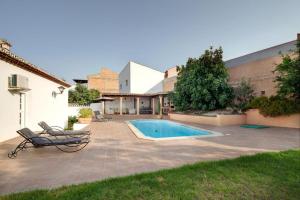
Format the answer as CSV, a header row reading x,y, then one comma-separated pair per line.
x,y
4,44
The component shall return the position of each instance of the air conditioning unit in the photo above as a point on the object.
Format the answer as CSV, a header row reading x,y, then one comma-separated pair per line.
x,y
18,82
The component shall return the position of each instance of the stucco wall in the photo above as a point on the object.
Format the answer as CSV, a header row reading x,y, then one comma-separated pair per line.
x,y
40,105
169,83
145,102
259,72
73,110
123,76
254,117
171,72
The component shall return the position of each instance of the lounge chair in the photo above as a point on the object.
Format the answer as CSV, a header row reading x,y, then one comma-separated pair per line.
x,y
31,139
100,117
58,131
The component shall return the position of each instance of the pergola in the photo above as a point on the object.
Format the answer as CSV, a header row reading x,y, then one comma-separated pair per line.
x,y
137,98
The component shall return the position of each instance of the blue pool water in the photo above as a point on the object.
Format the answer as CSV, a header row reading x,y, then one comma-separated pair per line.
x,y
165,129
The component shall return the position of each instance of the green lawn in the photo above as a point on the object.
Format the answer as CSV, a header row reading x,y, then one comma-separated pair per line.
x,y
262,176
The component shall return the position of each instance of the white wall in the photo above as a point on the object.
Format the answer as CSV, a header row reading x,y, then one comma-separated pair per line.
x,y
123,76
156,88
141,79
96,106
111,106
145,102
73,110
40,105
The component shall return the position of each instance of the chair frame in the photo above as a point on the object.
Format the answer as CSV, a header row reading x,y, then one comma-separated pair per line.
x,y
61,131
103,119
28,142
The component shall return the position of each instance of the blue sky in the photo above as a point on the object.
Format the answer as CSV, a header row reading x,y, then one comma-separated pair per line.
x,y
71,38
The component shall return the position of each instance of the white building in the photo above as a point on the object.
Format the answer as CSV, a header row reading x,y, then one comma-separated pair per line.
x,y
141,91
139,79
28,95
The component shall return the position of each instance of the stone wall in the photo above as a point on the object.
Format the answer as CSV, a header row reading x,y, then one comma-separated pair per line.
x,y
106,81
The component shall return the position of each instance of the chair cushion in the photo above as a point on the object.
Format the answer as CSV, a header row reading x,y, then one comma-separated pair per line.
x,y
68,132
43,141
26,133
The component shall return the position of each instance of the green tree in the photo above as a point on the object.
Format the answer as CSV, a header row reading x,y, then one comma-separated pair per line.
x,y
94,94
82,95
288,76
243,94
202,83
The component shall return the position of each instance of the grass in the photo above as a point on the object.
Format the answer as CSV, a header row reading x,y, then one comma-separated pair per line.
x,y
262,176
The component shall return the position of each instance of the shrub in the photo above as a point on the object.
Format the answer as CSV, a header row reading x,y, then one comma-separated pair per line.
x,y
258,102
243,94
85,113
275,106
71,121
82,95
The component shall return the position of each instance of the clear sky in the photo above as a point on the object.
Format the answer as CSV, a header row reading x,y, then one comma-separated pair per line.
x,y
72,38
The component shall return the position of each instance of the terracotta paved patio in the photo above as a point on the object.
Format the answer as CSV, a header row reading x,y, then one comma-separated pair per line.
x,y
115,151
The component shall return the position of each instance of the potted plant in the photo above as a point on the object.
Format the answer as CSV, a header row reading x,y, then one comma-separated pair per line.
x,y
85,115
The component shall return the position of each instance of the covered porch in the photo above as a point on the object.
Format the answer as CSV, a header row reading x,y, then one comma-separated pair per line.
x,y
135,104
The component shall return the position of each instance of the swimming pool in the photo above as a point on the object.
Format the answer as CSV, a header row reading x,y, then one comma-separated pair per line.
x,y
165,129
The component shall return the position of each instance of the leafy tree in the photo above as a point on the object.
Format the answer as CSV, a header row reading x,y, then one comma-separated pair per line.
x,y
82,95
202,83
94,94
288,76
243,94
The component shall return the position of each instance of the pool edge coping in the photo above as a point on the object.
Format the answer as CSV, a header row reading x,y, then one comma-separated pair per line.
x,y
140,135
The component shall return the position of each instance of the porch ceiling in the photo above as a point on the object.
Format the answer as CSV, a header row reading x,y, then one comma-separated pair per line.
x,y
133,94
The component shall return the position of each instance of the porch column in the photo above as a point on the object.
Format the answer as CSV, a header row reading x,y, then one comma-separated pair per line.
x,y
160,104
103,108
153,106
138,105
121,102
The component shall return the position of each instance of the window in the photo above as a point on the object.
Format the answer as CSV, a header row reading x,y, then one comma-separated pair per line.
x,y
262,93
120,86
126,82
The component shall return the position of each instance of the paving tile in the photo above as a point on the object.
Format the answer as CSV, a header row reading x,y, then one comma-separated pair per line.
x,y
115,151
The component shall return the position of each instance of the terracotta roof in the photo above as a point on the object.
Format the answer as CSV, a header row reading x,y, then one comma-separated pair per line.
x,y
10,57
4,41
